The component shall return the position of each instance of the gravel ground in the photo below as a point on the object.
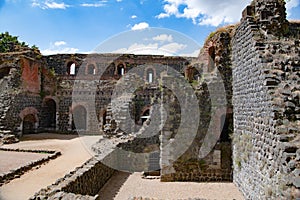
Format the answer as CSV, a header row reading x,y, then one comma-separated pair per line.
x,y
74,154
121,187
12,160
125,186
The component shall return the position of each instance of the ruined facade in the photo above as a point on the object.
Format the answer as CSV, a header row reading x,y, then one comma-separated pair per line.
x,y
252,120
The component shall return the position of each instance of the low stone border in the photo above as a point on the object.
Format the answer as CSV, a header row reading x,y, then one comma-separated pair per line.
x,y
82,183
16,173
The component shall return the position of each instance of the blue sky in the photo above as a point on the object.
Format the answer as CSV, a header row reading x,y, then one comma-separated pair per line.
x,y
74,26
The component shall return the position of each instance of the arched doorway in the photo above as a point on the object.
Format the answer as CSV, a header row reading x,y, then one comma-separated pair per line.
x,y
79,118
29,122
49,114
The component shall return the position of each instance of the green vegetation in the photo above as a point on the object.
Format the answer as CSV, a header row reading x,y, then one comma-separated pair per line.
x,y
9,43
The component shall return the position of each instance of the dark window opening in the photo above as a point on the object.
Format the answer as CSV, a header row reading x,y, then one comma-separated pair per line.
x,y
29,124
4,72
91,69
121,69
49,114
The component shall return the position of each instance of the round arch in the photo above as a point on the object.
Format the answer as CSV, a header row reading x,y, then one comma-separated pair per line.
x,y
30,120
48,113
79,118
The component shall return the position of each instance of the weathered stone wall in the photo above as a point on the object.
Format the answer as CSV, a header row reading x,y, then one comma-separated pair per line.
x,y
84,182
17,93
212,82
266,105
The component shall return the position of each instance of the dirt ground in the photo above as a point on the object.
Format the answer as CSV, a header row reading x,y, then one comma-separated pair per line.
x,y
12,160
124,186
74,154
120,187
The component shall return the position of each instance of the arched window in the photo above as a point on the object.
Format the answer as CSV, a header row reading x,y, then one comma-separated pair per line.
x,y
91,69
71,68
121,69
150,75
79,118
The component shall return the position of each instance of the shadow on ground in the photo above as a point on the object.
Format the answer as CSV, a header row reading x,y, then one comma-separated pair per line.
x,y
112,187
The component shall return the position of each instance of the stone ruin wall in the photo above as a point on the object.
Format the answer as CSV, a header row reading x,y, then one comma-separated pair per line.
x,y
266,103
265,51
30,81
213,66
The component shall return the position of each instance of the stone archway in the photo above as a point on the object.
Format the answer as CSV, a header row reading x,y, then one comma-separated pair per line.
x,y
30,120
48,114
79,118
29,124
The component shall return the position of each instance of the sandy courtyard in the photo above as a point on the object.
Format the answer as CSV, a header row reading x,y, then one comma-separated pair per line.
x,y
121,187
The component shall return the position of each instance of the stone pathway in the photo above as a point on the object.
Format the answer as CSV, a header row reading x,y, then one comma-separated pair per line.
x,y
124,186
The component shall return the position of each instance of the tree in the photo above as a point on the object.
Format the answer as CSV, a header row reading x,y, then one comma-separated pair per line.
x,y
9,43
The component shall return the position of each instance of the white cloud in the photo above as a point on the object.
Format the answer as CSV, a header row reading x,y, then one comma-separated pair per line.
x,y
49,4
133,17
59,43
59,51
137,48
54,5
212,12
173,47
119,0
163,38
140,26
59,47
153,49
96,5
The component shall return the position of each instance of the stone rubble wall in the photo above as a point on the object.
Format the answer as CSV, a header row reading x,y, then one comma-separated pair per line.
x,y
266,109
